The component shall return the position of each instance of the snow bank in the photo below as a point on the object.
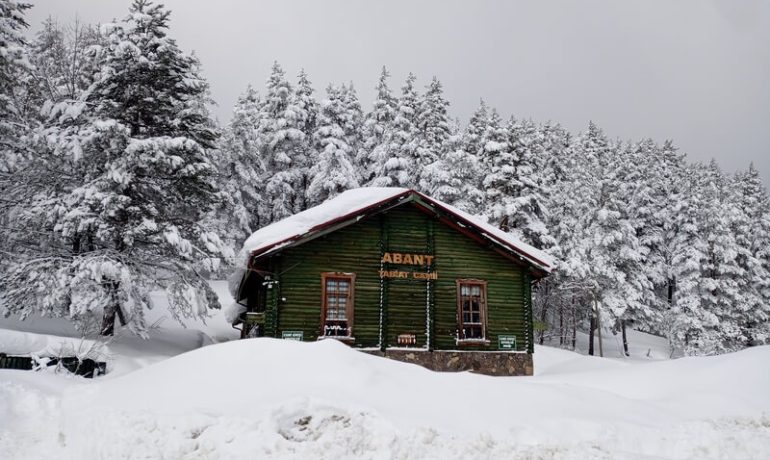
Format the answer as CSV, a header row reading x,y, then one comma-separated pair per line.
x,y
271,398
166,337
15,343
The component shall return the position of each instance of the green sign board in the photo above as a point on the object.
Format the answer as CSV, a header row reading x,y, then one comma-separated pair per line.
x,y
292,335
506,342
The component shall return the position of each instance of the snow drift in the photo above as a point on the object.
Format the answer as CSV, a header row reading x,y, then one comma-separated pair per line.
x,y
261,397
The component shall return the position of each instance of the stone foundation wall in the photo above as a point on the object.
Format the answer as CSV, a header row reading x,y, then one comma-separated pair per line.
x,y
481,362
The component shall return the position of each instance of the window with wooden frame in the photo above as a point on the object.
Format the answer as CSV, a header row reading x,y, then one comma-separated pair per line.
x,y
337,307
472,310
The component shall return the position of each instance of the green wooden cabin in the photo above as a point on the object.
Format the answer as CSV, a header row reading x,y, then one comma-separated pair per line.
x,y
396,273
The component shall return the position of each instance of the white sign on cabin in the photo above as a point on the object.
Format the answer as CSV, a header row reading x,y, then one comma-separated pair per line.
x,y
293,335
506,342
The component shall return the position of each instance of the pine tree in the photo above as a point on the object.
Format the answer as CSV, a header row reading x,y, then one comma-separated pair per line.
x,y
377,125
749,225
452,178
14,70
281,138
498,169
432,127
398,155
353,117
306,156
133,224
241,168
334,172
476,130
526,212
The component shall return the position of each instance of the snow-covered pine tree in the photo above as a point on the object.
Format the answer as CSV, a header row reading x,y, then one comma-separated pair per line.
x,y
65,59
397,164
371,157
281,138
721,283
241,169
353,118
307,156
685,321
750,225
499,171
334,172
133,224
432,127
452,178
608,257
476,130
14,68
526,210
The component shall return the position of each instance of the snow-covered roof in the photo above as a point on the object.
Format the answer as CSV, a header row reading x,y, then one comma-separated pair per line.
x,y
354,204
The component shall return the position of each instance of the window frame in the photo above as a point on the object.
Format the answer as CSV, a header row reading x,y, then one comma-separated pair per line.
x,y
483,308
349,307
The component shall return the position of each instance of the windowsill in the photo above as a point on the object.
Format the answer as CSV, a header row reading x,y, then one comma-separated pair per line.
x,y
347,340
473,342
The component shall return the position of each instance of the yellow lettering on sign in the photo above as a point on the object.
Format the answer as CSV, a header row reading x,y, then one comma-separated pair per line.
x,y
425,276
406,259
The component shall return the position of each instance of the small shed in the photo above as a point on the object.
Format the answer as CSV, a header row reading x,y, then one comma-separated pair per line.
x,y
393,272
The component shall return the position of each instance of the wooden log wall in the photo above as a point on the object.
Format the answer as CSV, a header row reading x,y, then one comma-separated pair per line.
x,y
425,308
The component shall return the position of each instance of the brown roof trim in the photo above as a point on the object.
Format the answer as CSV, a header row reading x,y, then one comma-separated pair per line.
x,y
474,225
331,222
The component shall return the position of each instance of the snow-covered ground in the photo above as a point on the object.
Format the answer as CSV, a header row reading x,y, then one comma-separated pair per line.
x,y
168,397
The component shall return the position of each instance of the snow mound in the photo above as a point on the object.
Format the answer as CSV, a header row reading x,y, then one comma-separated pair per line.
x,y
271,398
15,343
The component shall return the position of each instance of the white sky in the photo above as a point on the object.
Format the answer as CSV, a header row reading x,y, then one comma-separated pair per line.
x,y
697,71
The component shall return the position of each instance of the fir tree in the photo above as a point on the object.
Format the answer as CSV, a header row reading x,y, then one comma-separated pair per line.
x,y
133,224
432,126
281,138
306,156
452,178
377,125
14,70
398,165
241,168
334,172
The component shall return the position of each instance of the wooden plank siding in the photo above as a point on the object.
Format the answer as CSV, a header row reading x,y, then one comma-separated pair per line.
x,y
358,249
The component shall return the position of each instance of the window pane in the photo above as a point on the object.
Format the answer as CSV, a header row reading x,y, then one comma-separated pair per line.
x,y
338,291
472,306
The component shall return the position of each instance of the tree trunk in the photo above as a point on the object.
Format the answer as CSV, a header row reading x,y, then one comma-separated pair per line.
x,y
574,325
625,339
561,325
671,289
543,315
108,320
111,312
591,328
599,327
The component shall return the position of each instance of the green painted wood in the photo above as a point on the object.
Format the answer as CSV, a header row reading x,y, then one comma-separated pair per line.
x,y
410,306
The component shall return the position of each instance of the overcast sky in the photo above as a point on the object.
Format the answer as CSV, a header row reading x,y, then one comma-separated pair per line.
x,y
696,71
